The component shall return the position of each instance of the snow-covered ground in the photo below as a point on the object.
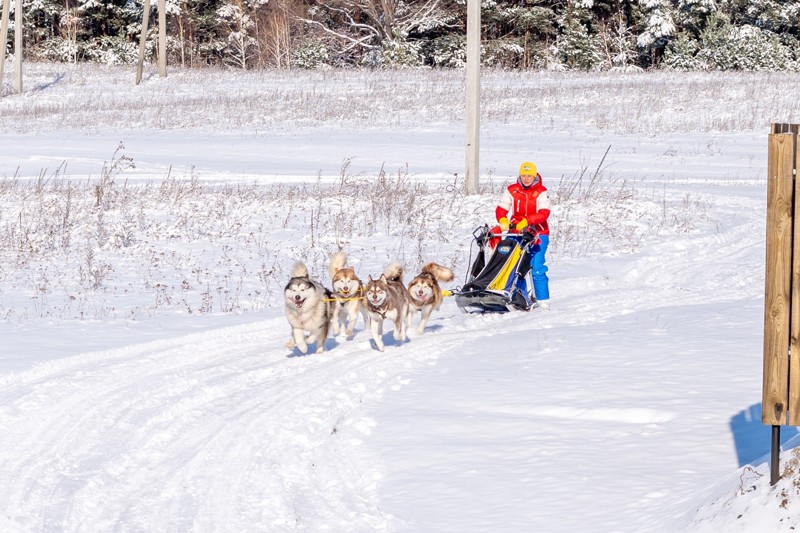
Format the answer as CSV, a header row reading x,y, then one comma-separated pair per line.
x,y
144,381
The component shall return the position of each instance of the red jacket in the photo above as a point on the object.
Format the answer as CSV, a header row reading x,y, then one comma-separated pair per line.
x,y
531,203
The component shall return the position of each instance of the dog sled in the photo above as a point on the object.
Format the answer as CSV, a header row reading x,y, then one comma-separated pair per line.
x,y
501,281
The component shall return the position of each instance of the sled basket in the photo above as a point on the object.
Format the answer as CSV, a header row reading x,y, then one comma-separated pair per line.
x,y
503,282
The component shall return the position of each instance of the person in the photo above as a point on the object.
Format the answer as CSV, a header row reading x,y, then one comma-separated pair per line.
x,y
525,206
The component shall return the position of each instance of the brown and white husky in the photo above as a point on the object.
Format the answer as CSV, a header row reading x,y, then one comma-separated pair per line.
x,y
308,307
386,298
348,289
426,295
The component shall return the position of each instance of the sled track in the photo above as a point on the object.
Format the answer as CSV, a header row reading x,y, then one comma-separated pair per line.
x,y
193,434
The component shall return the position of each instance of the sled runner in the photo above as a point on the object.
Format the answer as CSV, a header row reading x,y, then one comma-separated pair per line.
x,y
504,282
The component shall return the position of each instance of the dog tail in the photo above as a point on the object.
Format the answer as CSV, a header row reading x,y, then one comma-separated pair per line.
x,y
394,272
299,270
439,272
338,261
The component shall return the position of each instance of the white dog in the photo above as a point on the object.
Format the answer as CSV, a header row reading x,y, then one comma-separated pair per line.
x,y
309,307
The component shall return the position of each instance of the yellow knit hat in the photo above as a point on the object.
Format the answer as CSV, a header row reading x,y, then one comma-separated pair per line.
x,y
527,169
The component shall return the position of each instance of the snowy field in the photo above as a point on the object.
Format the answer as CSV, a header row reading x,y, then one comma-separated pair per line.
x,y
147,232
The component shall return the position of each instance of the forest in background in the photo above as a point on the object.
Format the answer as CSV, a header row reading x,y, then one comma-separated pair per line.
x,y
584,35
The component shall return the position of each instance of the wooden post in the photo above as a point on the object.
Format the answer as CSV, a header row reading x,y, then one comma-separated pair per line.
x,y
473,93
791,167
18,45
3,39
142,40
781,380
162,38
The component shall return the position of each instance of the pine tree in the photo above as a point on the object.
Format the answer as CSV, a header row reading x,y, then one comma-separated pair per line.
x,y
575,47
658,30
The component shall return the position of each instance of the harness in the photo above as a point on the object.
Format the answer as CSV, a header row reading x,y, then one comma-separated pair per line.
x,y
378,309
342,299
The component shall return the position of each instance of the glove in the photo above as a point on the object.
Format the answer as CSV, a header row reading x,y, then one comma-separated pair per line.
x,y
503,224
529,235
522,224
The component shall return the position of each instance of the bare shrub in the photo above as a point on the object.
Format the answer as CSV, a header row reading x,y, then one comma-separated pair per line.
x,y
136,250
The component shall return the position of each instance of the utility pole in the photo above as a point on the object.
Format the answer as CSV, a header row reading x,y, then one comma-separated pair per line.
x,y
142,40
473,93
3,39
162,38
17,45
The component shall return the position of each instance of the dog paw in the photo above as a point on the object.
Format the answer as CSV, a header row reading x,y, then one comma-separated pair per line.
x,y
303,348
290,344
420,331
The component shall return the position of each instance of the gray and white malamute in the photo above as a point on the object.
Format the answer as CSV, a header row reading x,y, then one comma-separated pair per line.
x,y
309,307
386,298
348,290
426,295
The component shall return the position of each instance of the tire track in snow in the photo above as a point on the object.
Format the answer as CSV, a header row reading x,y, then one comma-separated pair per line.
x,y
213,432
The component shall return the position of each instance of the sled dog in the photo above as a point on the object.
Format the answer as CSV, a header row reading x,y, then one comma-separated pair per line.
x,y
386,298
348,290
309,307
426,295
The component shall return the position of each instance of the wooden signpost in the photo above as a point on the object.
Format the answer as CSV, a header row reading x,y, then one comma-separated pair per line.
x,y
780,405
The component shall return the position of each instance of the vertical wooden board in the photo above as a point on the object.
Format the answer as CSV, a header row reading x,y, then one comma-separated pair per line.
x,y
794,353
775,397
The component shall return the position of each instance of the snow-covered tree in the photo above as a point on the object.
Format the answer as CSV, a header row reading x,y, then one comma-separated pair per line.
x,y
448,51
659,28
728,47
371,31
238,18
576,48
682,53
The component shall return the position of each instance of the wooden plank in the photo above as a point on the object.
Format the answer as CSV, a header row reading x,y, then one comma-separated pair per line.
x,y
794,353
780,187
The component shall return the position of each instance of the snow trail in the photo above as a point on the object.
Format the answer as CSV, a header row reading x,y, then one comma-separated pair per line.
x,y
219,431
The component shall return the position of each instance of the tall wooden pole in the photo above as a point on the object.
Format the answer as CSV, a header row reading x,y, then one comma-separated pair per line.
x,y
162,38
3,39
780,401
473,93
18,45
142,40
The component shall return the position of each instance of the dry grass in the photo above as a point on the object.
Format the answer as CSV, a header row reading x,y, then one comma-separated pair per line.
x,y
106,248
60,96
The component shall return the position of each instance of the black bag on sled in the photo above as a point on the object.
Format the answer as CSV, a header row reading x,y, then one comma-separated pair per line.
x,y
503,283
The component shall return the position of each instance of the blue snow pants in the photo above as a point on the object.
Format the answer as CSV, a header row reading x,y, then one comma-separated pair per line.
x,y
541,284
